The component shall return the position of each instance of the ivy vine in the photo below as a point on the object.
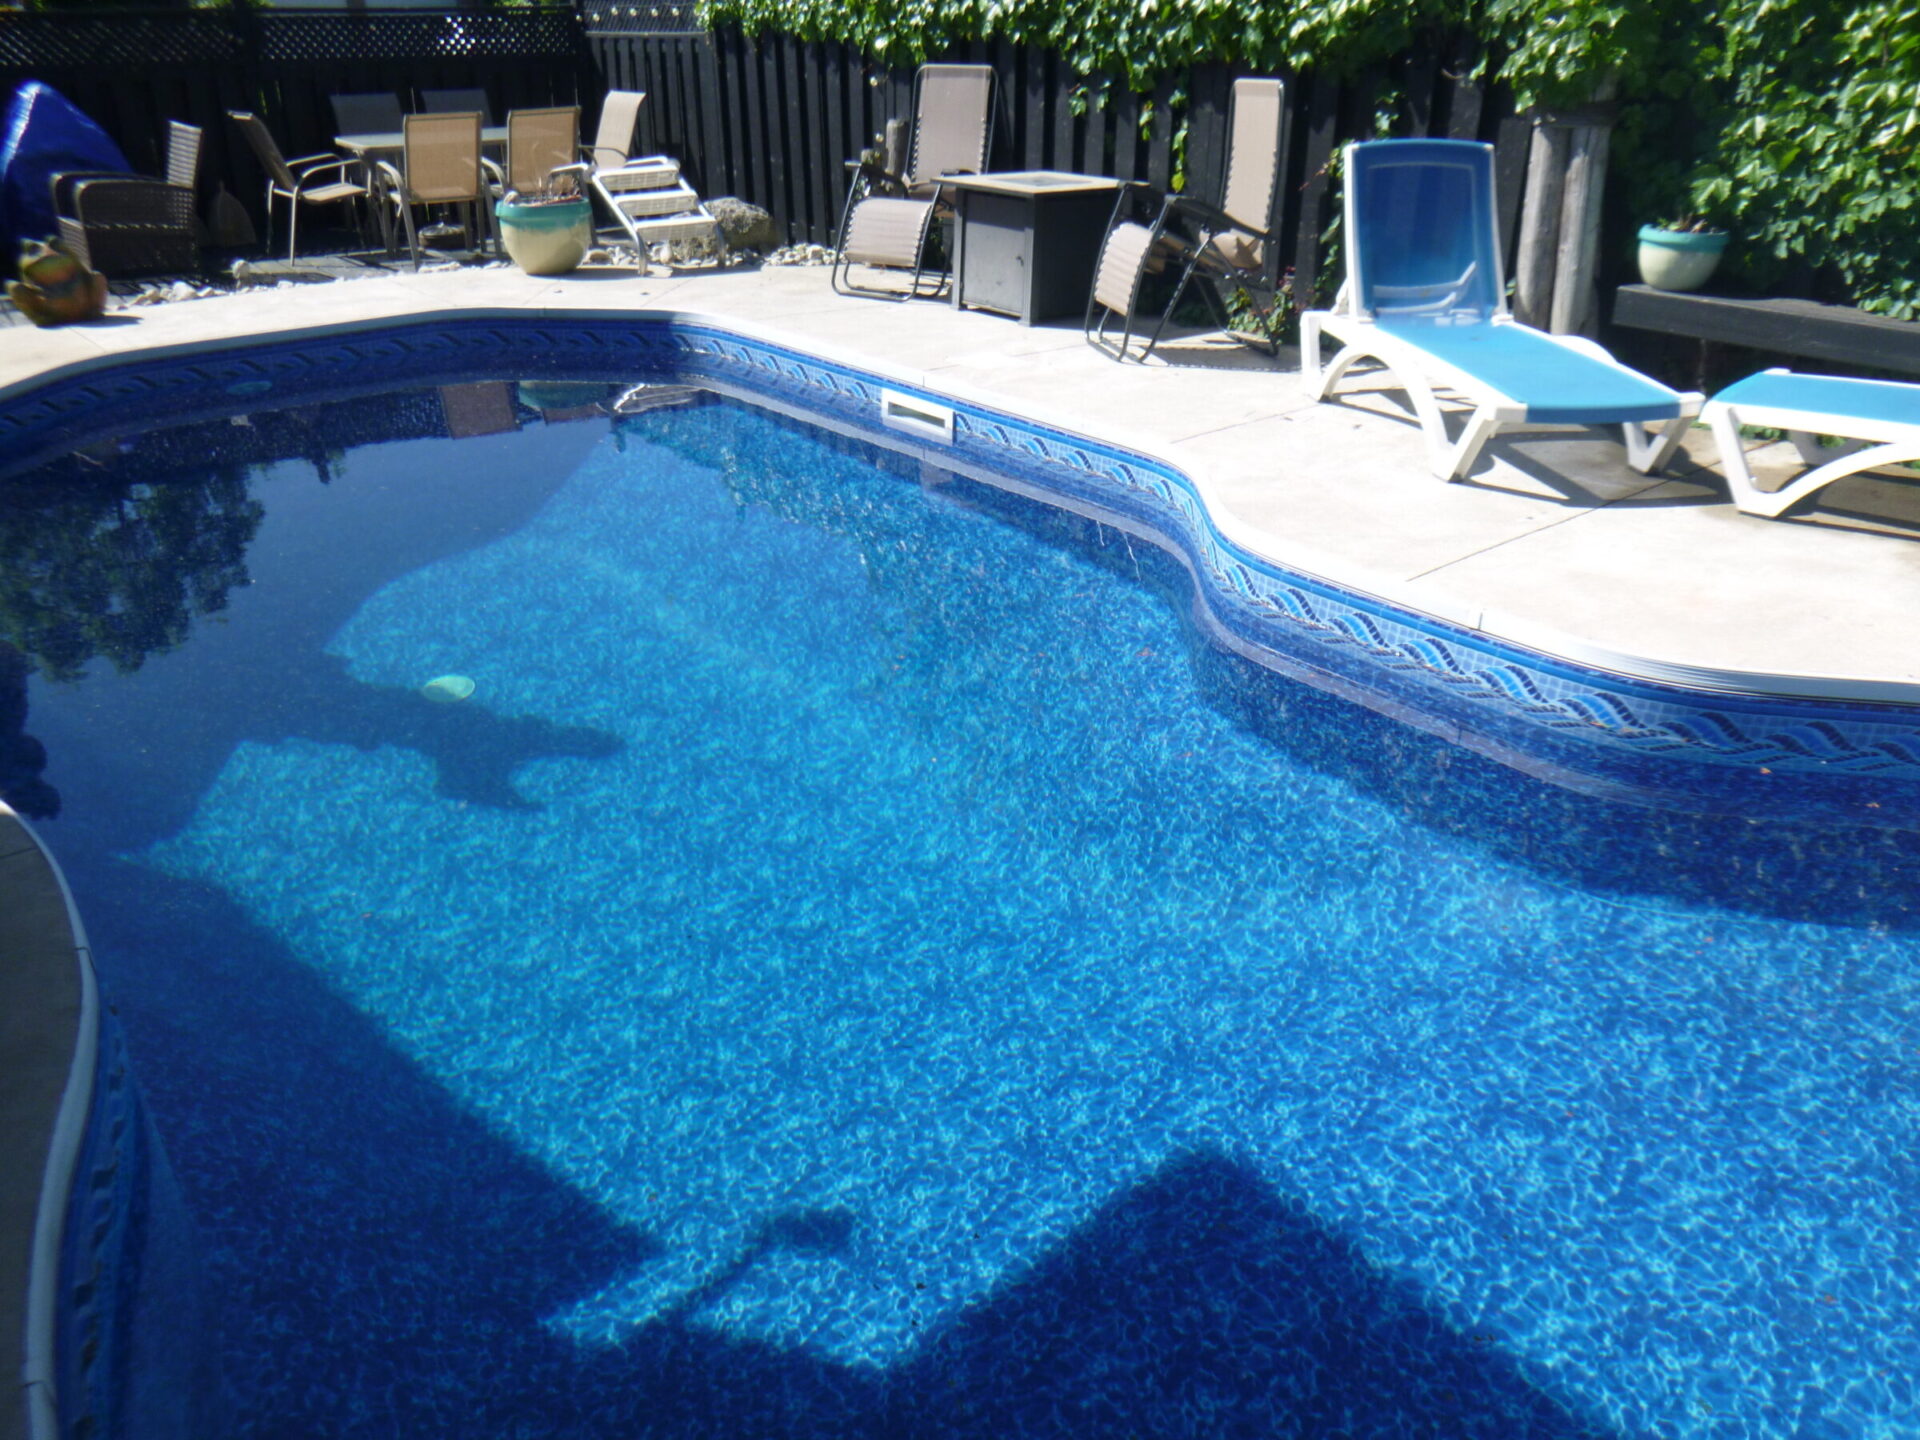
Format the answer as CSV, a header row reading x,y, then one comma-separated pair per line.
x,y
1792,122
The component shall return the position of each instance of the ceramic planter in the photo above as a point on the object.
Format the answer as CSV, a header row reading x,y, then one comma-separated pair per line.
x,y
1679,259
547,237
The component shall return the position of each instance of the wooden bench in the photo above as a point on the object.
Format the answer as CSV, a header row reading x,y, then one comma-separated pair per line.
x,y
1837,333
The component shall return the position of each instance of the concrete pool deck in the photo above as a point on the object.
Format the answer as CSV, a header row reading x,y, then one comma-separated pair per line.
x,y
1554,542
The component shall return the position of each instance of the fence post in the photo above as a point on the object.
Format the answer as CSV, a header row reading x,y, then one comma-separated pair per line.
x,y
1560,223
1539,222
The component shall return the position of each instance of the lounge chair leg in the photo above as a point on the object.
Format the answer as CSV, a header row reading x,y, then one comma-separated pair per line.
x,y
1451,459
1097,333
1752,500
1159,329
1650,458
1324,379
1812,452
1310,352
1452,463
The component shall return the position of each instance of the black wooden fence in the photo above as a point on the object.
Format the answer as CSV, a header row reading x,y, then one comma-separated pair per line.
x,y
770,119
134,70
773,120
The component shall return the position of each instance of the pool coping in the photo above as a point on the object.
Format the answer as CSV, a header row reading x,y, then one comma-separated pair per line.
x,y
1550,643
43,1150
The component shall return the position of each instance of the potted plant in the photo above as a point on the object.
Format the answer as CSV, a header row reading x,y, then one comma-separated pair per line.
x,y
549,231
1680,254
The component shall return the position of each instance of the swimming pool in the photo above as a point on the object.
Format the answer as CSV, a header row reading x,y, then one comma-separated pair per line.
x,y
871,956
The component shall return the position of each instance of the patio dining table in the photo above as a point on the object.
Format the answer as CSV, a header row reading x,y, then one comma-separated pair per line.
x,y
391,144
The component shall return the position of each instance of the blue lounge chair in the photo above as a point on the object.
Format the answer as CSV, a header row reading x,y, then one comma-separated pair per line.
x,y
1424,297
1877,420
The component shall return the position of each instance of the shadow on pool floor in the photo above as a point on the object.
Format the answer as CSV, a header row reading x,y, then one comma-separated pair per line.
x,y
387,1263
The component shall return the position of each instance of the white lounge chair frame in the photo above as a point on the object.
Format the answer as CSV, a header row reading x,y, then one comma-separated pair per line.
x,y
1424,375
1870,445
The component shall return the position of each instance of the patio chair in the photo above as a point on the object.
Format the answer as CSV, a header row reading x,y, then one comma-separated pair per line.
x,y
457,102
123,224
440,165
1877,421
1424,297
613,140
886,220
372,113
298,181
1223,244
540,145
646,194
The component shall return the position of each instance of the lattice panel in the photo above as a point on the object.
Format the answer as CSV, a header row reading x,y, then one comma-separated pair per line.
x,y
33,41
420,35
70,39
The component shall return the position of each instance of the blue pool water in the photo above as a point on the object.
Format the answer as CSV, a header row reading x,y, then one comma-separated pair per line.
x,y
863,962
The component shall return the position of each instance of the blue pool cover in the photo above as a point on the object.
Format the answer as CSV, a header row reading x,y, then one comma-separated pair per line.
x,y
43,135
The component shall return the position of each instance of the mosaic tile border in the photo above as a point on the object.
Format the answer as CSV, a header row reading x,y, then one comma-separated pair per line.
x,y
100,1244
1666,721
1474,677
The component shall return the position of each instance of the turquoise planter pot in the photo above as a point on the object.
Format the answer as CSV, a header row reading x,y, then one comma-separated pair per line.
x,y
546,239
1679,259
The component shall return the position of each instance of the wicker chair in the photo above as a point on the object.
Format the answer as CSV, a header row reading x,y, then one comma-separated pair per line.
x,y
133,224
293,180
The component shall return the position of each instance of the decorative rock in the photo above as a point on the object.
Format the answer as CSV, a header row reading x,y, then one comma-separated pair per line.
x,y
743,226
801,255
54,288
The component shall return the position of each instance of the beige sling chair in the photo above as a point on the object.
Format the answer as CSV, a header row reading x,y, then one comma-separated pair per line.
x,y
1221,244
300,181
541,146
887,217
643,192
440,166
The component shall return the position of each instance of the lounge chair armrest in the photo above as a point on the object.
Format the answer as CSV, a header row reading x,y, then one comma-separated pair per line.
x,y
495,175
325,157
130,200
880,178
64,183
390,173
578,172
333,162
1210,214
